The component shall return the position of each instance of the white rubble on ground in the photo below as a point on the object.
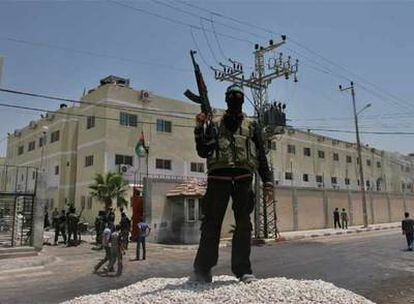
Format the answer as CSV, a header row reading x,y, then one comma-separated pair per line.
x,y
225,289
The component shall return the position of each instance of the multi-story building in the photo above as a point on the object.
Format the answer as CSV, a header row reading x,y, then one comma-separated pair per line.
x,y
99,135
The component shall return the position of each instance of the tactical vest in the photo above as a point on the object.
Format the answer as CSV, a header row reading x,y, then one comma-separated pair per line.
x,y
234,150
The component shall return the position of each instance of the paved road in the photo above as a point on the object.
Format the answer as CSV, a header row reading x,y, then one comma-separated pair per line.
x,y
372,264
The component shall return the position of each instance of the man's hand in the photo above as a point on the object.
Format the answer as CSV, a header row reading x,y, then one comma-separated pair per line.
x,y
200,119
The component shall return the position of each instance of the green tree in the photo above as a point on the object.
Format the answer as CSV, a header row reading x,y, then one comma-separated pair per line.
x,y
109,186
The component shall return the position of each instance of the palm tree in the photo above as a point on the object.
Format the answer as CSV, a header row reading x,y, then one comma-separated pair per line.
x,y
108,187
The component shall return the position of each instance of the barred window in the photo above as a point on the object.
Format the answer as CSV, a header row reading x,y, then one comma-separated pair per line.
x,y
31,146
90,122
319,179
54,136
197,167
163,126
336,157
163,164
123,160
89,161
305,177
288,175
126,119
291,149
321,154
348,159
307,151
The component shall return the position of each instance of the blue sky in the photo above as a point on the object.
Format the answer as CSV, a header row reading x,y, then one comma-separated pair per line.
x,y
61,44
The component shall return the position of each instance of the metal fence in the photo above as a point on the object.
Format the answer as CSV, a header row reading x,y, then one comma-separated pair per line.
x,y
17,199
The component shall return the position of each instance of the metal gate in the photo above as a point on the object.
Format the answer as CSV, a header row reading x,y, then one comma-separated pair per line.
x,y
17,198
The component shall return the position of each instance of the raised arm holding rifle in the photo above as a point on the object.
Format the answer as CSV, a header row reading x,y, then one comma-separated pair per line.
x,y
234,149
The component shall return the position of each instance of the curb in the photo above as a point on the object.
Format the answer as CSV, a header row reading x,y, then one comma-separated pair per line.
x,y
313,236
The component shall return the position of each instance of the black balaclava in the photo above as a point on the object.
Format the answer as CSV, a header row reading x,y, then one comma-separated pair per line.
x,y
233,116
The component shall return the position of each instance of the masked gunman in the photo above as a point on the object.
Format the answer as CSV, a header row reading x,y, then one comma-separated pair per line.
x,y
234,149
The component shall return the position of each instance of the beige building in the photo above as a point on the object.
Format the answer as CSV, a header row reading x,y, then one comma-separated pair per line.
x,y
100,134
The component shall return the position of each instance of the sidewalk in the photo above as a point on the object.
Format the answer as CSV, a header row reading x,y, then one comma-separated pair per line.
x,y
305,234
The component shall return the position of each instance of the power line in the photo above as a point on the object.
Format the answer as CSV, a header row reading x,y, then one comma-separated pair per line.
x,y
301,45
172,20
198,49
208,41
115,107
217,40
6,105
94,54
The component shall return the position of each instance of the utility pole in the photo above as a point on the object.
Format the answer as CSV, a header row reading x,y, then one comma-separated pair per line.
x,y
259,82
361,170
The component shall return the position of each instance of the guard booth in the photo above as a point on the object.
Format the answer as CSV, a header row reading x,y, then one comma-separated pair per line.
x,y
17,199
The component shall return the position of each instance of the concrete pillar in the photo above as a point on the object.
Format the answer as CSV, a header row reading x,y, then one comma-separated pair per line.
x,y
371,206
350,209
405,202
295,209
389,207
38,212
325,208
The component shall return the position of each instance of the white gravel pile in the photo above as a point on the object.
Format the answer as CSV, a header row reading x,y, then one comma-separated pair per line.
x,y
226,289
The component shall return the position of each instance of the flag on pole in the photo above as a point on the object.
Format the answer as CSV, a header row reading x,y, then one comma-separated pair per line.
x,y
140,146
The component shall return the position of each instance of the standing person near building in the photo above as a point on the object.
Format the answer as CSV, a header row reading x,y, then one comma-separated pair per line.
x,y
55,217
125,225
336,218
143,231
60,227
46,223
234,148
106,244
117,250
407,226
344,219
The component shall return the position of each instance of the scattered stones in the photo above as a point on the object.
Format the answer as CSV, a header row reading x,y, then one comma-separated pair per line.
x,y
226,289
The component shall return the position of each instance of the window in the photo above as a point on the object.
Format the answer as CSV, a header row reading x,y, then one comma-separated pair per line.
x,y
123,160
89,161
348,159
32,145
368,184
42,141
347,181
129,120
334,181
34,175
90,122
319,179
82,205
20,150
305,177
163,126
321,154
336,157
191,210
288,175
89,204
368,162
291,149
307,151
378,164
54,136
56,170
197,167
163,164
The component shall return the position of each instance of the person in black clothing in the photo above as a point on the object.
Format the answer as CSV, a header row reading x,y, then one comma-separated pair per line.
x,y
125,226
61,227
407,226
336,218
234,148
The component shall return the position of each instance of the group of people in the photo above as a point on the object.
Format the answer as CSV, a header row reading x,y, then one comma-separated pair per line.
x,y
340,219
114,239
66,222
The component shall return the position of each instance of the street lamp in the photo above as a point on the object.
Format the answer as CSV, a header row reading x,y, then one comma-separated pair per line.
x,y
361,171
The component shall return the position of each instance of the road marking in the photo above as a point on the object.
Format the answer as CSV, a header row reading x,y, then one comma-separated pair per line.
x,y
24,269
26,275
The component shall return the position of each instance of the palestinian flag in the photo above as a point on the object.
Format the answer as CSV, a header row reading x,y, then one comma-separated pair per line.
x,y
140,146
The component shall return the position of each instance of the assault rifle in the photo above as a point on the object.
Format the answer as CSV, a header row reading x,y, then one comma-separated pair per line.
x,y
202,97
